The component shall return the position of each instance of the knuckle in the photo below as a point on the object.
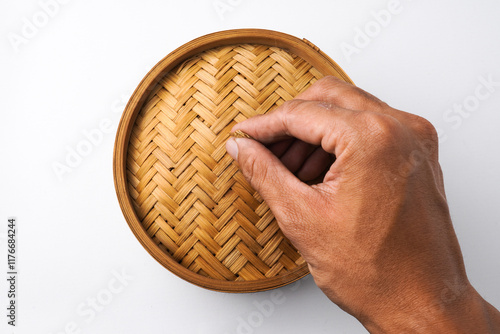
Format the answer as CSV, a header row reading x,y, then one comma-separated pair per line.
x,y
382,104
414,137
290,106
423,128
381,135
328,82
383,127
426,135
330,79
367,101
353,97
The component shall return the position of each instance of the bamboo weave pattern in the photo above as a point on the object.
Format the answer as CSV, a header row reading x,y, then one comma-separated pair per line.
x,y
187,192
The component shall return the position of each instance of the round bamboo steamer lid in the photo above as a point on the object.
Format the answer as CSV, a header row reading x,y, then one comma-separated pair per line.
x,y
180,192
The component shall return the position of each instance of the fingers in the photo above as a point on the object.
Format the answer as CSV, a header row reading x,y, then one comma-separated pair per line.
x,y
279,148
295,156
313,122
315,165
282,191
304,160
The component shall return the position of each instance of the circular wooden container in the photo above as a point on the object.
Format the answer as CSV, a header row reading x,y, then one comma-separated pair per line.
x,y
180,192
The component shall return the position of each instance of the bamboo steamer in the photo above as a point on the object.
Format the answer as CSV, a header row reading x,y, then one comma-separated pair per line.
x,y
180,192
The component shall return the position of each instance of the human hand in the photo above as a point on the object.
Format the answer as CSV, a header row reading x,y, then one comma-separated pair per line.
x,y
376,230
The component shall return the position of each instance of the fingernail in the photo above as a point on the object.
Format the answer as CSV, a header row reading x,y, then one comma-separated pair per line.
x,y
232,148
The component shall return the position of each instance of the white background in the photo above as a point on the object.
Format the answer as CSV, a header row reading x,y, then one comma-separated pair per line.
x,y
79,66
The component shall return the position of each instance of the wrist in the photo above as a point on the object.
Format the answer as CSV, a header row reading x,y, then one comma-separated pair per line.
x,y
463,312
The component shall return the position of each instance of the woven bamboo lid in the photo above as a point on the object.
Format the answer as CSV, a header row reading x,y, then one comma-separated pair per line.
x,y
180,192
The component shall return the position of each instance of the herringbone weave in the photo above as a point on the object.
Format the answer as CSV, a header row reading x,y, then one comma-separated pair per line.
x,y
187,191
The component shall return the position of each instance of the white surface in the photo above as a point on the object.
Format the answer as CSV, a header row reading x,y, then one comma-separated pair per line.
x,y
75,71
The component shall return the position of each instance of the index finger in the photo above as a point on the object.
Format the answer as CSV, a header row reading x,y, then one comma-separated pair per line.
x,y
314,122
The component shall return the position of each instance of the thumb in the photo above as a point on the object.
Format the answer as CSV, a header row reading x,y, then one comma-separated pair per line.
x,y
281,190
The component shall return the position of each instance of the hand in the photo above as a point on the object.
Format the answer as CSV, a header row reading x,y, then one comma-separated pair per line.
x,y
376,230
